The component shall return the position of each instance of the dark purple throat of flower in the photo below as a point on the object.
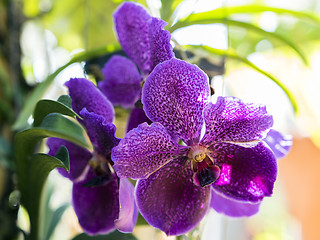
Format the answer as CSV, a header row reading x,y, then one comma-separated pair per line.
x,y
102,169
205,171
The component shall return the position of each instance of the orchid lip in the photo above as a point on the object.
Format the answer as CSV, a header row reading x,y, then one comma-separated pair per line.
x,y
102,169
207,176
100,165
202,164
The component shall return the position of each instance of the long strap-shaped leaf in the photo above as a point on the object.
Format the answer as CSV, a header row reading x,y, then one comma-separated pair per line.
x,y
32,169
248,26
230,53
39,91
228,11
40,167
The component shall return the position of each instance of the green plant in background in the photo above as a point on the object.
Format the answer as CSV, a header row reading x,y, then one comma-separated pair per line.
x,y
89,24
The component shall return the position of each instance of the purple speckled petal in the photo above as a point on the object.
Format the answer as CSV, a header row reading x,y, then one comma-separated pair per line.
x,y
232,120
231,207
96,207
169,200
247,174
78,156
121,82
137,116
85,94
128,209
161,49
101,133
142,37
144,150
175,94
280,144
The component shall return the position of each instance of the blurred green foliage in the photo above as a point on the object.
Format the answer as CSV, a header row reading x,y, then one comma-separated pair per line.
x,y
76,24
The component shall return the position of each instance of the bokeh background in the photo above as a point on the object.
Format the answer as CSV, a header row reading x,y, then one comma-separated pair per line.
x,y
39,36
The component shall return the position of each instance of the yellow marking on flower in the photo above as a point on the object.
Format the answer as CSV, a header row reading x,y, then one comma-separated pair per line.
x,y
199,157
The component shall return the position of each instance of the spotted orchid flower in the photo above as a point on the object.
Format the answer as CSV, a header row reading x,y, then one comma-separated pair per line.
x,y
102,201
177,183
146,43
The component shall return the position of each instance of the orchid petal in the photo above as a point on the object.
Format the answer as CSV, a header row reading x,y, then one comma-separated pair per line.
x,y
101,133
128,210
137,116
144,150
96,207
142,37
175,94
85,94
247,174
231,207
231,120
121,82
161,49
170,201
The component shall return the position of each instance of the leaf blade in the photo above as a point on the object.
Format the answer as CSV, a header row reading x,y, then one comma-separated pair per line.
x,y
41,166
29,164
251,27
56,216
228,11
46,106
115,235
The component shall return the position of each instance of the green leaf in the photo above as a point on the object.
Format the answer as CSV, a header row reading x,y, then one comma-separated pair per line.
x,y
66,100
228,11
44,107
40,166
39,91
63,155
167,9
248,26
230,53
116,235
53,125
46,211
64,128
33,169
49,218
54,220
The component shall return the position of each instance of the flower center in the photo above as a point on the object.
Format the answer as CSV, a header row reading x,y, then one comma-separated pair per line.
x,y
205,171
99,164
102,169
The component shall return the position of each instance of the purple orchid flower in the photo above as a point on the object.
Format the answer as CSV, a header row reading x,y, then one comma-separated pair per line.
x,y
144,40
102,201
178,182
